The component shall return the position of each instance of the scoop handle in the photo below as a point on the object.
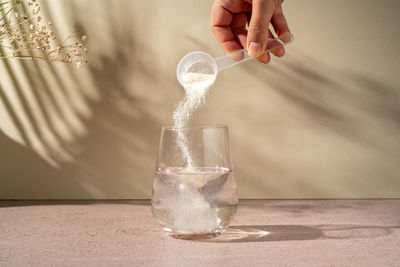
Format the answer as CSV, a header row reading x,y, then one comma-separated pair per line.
x,y
239,56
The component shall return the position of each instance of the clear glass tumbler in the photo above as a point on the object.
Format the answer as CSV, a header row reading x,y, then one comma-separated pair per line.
x,y
194,191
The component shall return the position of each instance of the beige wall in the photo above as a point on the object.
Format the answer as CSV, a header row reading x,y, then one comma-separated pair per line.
x,y
323,122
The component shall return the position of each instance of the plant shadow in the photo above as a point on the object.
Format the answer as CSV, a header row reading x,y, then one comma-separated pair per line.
x,y
86,133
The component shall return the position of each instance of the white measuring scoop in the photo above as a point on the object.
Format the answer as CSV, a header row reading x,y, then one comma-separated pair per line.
x,y
201,62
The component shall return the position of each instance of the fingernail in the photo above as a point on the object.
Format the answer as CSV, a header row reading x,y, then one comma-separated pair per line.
x,y
254,49
265,58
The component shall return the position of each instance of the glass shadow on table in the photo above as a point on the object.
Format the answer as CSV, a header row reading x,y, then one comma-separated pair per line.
x,y
265,233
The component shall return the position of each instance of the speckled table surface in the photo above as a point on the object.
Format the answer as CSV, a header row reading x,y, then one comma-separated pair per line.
x,y
264,233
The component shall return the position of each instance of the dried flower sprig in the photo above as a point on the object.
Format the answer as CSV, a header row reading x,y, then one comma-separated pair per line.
x,y
27,36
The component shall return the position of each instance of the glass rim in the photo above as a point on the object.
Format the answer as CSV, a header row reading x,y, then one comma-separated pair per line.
x,y
194,127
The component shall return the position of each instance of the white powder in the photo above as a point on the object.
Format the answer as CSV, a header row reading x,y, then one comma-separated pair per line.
x,y
191,212
196,86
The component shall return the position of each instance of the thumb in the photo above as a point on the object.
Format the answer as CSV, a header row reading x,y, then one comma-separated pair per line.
x,y
257,36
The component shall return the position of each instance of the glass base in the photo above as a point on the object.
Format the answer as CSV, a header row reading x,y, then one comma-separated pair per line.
x,y
195,236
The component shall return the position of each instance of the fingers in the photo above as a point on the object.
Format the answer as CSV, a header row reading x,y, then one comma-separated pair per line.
x,y
258,26
278,52
266,57
279,22
228,23
238,27
221,20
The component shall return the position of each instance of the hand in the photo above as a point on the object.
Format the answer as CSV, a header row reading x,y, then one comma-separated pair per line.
x,y
229,19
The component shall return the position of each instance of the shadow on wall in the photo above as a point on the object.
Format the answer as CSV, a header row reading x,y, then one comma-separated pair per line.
x,y
113,157
113,153
338,100
355,109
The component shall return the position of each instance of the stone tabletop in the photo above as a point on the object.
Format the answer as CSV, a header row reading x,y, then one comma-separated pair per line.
x,y
264,233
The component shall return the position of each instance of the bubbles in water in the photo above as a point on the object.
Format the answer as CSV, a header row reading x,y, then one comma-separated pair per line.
x,y
200,201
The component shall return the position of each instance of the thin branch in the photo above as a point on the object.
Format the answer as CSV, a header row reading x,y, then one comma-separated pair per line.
x,y
29,33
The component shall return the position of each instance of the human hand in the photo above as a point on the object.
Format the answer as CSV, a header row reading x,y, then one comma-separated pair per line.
x,y
230,17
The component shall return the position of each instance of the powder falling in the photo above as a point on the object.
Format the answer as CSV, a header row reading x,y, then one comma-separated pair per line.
x,y
196,87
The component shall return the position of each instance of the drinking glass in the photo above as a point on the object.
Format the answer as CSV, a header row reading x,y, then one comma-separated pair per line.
x,y
194,190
